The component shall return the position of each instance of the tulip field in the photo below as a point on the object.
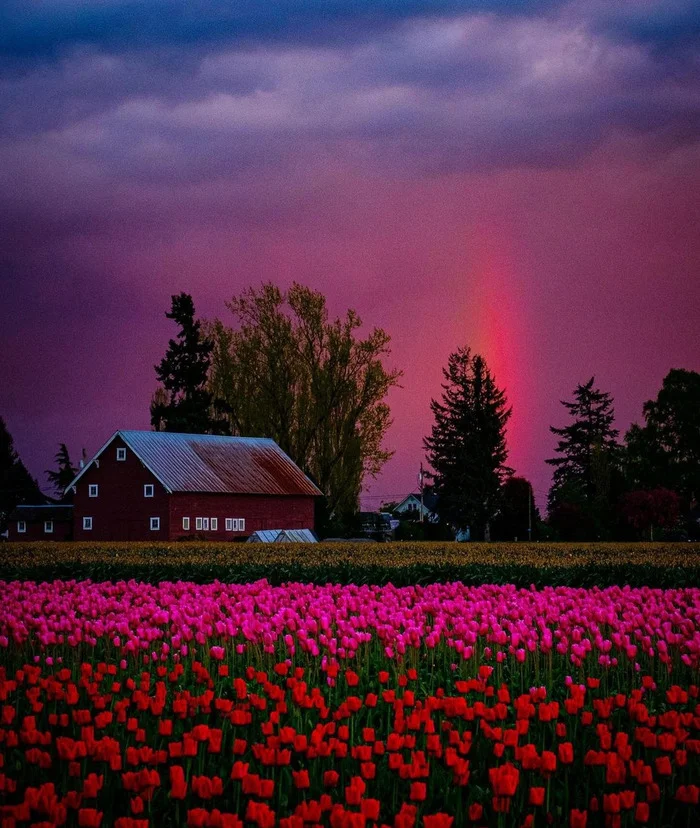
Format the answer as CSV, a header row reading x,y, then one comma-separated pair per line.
x,y
131,704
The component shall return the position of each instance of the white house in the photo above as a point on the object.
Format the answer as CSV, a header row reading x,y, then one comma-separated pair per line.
x,y
410,506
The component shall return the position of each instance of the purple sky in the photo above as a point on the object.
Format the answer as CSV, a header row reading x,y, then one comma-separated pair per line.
x,y
520,177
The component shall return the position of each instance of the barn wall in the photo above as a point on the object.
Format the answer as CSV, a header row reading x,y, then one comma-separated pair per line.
x,y
120,512
259,512
62,530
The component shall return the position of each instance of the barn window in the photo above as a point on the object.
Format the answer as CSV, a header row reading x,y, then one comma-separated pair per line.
x,y
198,524
93,489
21,526
155,524
121,454
205,524
87,523
186,524
231,525
48,526
214,524
148,490
241,524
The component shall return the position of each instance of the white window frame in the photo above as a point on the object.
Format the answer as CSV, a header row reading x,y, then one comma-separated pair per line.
x,y
48,527
149,487
154,524
241,524
186,524
121,454
21,527
214,523
198,522
87,524
93,490
229,525
205,524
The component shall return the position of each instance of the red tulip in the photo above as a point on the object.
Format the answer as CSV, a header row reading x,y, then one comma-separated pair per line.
x,y
504,779
437,821
370,808
536,796
330,778
578,819
301,779
89,818
566,753
178,786
418,791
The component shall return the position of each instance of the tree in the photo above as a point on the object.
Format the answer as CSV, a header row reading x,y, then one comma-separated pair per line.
x,y
467,446
183,402
646,509
518,516
16,484
665,451
587,470
315,386
64,473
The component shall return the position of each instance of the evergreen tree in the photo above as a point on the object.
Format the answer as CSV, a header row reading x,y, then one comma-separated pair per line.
x,y
586,472
183,403
62,476
16,484
467,446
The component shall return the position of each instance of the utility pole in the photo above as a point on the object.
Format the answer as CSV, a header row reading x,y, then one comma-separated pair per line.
x,y
420,478
529,511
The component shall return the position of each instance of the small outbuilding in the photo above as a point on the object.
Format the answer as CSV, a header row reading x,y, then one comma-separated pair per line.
x,y
42,522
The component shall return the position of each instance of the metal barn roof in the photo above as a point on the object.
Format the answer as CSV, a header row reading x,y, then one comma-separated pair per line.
x,y
283,536
45,511
211,463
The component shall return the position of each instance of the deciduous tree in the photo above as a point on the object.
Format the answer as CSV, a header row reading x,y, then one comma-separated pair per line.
x,y
665,451
314,385
518,516
646,510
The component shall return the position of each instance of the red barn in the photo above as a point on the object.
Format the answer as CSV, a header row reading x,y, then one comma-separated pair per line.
x,y
43,522
158,486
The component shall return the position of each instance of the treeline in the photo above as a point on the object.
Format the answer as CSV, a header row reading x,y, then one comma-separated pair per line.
x,y
644,485
283,368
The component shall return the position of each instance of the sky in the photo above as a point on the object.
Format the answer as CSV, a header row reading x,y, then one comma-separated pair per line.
x,y
519,177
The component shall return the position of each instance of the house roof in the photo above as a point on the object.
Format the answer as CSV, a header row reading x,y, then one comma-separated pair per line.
x,y
45,511
429,500
215,464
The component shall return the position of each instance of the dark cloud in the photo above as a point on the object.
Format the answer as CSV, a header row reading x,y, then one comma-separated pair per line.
x,y
32,32
29,31
663,24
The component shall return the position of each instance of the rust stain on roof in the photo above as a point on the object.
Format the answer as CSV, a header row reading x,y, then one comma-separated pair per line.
x,y
226,465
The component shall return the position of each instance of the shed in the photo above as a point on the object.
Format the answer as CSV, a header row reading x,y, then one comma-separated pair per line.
x,y
41,522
